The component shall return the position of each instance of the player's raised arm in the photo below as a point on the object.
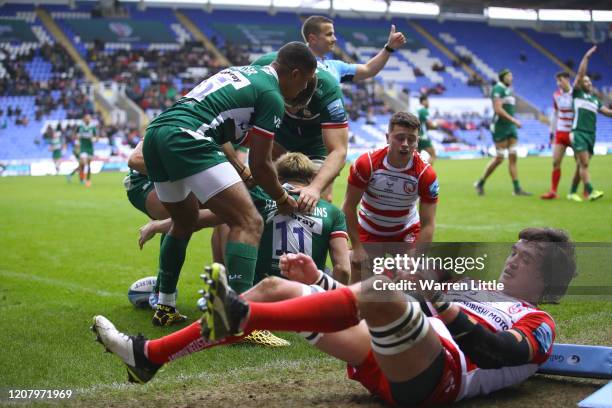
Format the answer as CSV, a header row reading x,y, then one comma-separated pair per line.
x,y
377,63
582,68
606,111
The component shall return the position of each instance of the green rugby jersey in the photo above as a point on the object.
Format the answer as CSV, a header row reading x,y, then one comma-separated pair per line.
x,y
326,108
586,106
56,144
423,114
302,131
228,104
86,133
506,94
309,234
135,180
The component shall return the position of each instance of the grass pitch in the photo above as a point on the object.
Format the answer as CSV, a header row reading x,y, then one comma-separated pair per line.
x,y
70,252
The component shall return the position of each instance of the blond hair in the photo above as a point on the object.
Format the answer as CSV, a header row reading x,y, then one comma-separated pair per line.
x,y
296,167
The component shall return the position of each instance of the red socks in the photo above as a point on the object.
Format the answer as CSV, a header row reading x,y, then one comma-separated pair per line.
x,y
181,343
556,176
326,312
322,312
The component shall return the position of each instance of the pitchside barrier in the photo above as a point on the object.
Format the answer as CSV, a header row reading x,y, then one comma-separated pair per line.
x,y
583,361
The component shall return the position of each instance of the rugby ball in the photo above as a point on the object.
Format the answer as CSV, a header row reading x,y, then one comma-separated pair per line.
x,y
139,291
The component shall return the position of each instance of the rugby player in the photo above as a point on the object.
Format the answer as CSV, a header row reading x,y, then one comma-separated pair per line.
x,y
88,135
586,107
318,33
55,147
387,184
426,124
316,234
183,157
397,352
505,136
320,131
561,127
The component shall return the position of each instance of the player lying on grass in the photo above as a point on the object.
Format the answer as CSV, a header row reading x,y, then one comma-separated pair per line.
x,y
390,345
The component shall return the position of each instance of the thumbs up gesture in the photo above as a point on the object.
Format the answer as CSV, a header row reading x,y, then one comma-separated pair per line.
x,y
396,39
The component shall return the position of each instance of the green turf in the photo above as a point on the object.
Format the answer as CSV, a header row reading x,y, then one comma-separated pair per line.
x,y
69,252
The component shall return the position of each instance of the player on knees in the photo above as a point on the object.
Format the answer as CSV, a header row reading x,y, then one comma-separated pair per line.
x,y
586,106
318,234
387,184
561,126
504,131
426,124
183,158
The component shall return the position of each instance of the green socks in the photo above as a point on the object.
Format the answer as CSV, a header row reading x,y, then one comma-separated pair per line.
x,y
161,241
171,259
589,188
240,261
517,185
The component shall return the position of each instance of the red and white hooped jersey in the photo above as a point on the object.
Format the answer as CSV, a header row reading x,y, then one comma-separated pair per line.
x,y
537,326
564,111
389,204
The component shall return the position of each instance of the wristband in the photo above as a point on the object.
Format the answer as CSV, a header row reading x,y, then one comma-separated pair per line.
x,y
283,199
389,49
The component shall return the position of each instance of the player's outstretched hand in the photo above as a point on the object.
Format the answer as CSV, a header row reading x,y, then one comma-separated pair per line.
x,y
396,38
308,199
518,123
288,207
590,51
147,232
298,267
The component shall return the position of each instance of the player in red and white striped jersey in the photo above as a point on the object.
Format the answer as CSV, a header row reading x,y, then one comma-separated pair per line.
x,y
387,184
463,349
561,127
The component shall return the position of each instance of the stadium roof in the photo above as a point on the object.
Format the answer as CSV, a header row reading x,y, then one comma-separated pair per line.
x,y
463,6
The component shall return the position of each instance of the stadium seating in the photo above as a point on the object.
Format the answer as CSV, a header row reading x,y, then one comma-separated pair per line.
x,y
495,48
364,39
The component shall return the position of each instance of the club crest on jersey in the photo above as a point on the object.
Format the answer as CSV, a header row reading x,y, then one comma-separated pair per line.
x,y
410,186
515,308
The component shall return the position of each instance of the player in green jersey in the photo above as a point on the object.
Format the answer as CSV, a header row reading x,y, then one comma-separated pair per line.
x,y
88,135
316,234
503,127
586,107
55,146
183,157
426,124
320,131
